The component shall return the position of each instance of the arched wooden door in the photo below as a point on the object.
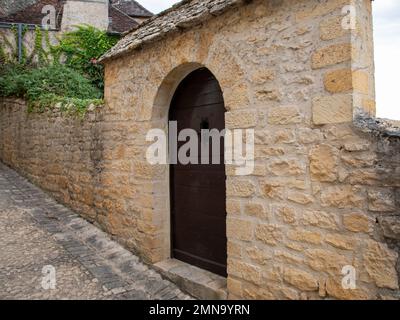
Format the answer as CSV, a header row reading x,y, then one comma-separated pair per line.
x,y
198,192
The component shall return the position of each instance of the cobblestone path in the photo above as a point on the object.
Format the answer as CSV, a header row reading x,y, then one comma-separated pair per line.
x,y
37,232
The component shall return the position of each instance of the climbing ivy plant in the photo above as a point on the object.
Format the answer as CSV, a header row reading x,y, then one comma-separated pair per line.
x,y
82,47
43,51
65,75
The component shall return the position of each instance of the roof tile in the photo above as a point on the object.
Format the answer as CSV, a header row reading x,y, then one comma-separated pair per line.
x,y
184,14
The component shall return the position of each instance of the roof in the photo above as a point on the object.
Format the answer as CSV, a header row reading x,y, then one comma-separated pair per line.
x,y
119,21
131,8
184,14
32,14
12,6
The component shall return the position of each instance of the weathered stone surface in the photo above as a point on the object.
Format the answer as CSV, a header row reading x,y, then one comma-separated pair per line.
x,y
364,176
319,219
335,289
270,234
269,95
369,106
331,55
302,235
344,80
323,163
332,28
339,80
360,145
300,279
258,255
359,160
284,115
234,250
341,241
326,260
239,229
380,264
234,288
307,135
286,258
357,222
273,190
332,109
285,213
237,97
233,207
381,200
361,82
265,151
285,136
241,119
320,9
390,227
285,167
255,209
342,197
244,270
240,188
263,76
300,198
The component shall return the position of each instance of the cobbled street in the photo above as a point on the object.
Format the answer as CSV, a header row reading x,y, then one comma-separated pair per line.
x,y
43,243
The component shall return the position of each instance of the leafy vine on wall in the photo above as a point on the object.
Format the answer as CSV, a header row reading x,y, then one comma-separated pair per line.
x,y
43,51
65,75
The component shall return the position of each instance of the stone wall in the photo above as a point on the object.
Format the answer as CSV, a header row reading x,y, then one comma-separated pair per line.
x,y
93,12
325,191
58,153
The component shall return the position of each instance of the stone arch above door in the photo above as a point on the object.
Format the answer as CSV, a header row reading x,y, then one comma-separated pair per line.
x,y
219,59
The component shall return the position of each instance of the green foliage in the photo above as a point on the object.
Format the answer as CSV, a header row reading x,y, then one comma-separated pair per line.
x,y
44,82
46,86
41,54
83,47
10,80
4,43
67,105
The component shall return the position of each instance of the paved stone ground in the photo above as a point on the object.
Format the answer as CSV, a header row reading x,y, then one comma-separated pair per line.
x,y
36,231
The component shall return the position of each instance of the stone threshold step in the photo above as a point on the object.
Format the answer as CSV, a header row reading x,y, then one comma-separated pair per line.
x,y
199,283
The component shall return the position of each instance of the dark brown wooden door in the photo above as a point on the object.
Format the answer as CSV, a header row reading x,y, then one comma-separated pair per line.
x,y
198,192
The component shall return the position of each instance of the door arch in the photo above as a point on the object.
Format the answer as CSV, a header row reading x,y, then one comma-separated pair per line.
x,y
198,191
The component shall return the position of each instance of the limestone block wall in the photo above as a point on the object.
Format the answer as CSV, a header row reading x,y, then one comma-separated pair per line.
x,y
325,190
58,153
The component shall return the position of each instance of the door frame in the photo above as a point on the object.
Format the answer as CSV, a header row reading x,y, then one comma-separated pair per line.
x,y
162,184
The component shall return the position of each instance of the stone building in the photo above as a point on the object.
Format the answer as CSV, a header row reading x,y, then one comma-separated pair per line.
x,y
319,216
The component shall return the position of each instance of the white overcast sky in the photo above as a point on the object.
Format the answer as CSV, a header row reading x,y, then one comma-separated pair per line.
x,y
387,52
